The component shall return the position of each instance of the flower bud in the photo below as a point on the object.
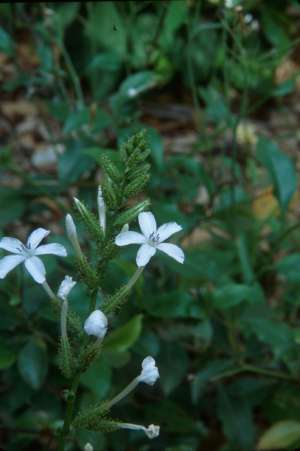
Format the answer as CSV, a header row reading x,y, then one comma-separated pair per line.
x,y
96,324
80,207
101,209
65,287
88,447
72,234
149,373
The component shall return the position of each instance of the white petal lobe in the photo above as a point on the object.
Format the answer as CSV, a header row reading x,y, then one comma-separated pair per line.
x,y
144,254
147,223
36,269
124,238
8,263
168,229
36,237
172,250
11,245
53,248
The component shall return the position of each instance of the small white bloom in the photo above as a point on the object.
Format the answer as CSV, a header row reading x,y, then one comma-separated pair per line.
x,y
152,431
101,209
28,253
151,239
88,447
65,287
149,373
96,324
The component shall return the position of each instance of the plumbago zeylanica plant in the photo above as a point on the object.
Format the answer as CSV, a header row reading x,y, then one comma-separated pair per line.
x,y
80,345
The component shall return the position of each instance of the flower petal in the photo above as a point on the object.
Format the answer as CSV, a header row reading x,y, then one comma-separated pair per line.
x,y
144,254
147,223
11,245
52,248
8,263
124,238
168,229
36,237
172,250
36,269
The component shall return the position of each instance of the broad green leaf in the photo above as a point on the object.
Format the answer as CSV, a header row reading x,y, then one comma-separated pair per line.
x,y
6,42
175,16
33,364
105,26
7,356
73,163
75,120
281,435
138,83
173,363
98,378
173,304
281,169
15,205
125,336
234,294
237,420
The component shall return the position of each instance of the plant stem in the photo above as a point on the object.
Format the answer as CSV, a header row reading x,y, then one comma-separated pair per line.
x,y
72,72
134,278
69,412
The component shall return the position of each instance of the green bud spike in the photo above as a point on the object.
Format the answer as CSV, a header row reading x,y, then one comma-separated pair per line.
x,y
110,168
130,214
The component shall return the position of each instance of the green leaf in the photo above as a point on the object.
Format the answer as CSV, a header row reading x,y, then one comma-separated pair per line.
x,y
105,26
123,338
7,356
281,169
73,163
138,83
234,294
173,304
281,435
236,417
6,42
75,120
98,378
33,364
175,16
173,364
14,205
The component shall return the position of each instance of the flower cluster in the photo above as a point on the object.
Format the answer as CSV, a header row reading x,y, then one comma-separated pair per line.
x,y
151,239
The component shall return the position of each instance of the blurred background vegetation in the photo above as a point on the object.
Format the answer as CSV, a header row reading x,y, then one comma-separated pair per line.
x,y
217,88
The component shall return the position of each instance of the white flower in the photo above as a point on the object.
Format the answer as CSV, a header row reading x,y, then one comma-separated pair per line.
x,y
152,431
65,287
88,447
149,373
28,254
96,324
151,239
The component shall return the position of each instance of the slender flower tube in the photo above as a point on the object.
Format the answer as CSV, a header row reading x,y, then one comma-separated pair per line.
x,y
72,235
29,254
148,375
151,239
96,324
101,210
152,431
